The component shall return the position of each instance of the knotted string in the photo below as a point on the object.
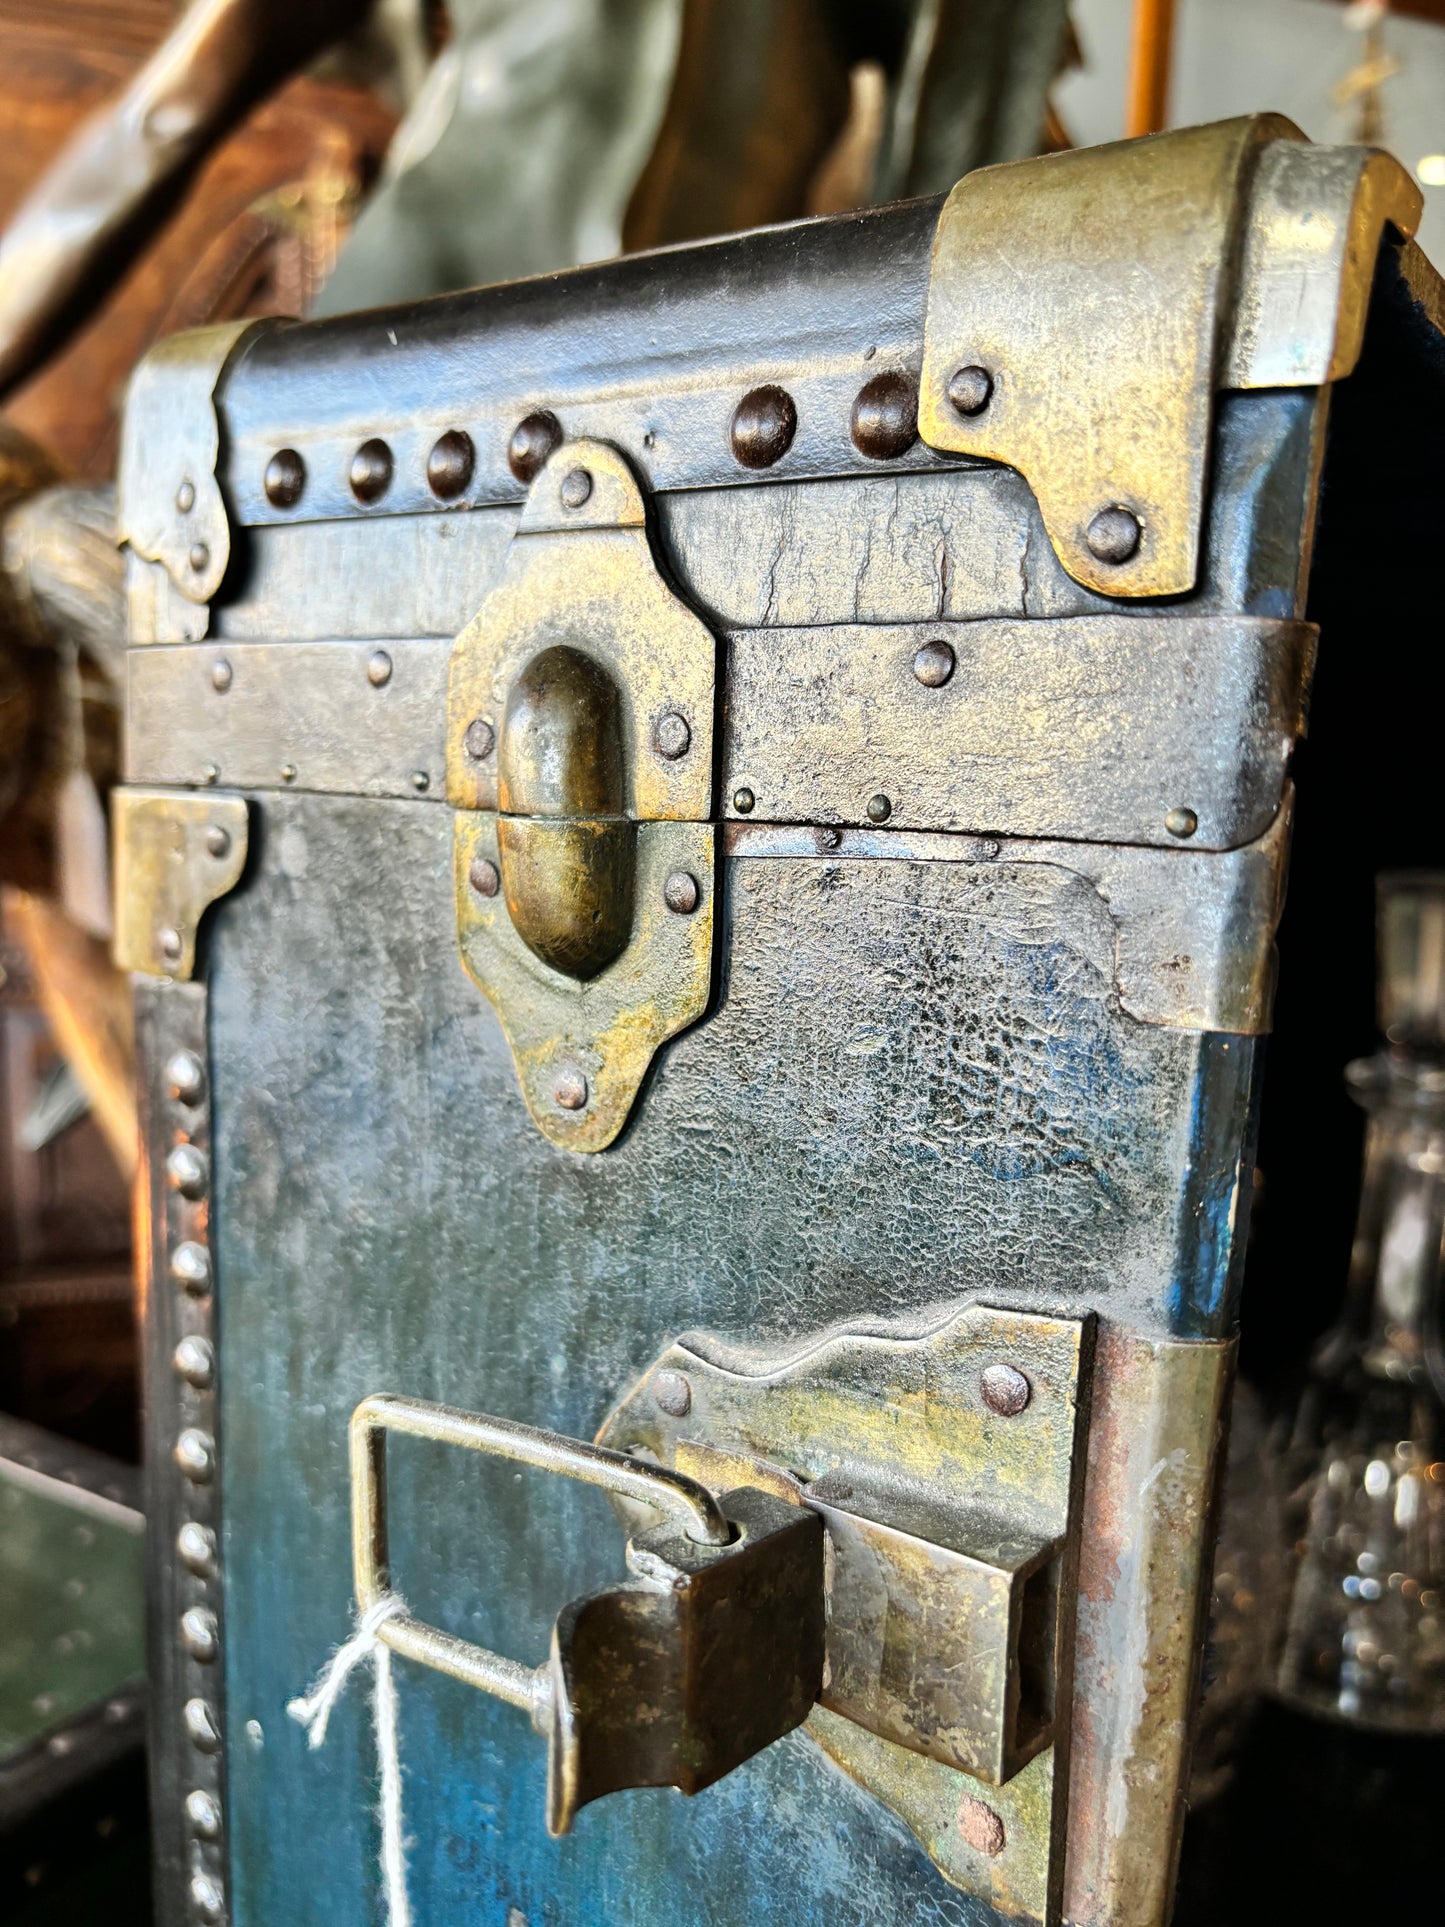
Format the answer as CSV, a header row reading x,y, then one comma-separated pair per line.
x,y
314,1713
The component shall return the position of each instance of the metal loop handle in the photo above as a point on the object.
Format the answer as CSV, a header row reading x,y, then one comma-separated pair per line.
x,y
684,1499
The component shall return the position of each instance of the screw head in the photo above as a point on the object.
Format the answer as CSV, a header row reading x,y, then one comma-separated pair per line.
x,y
218,841
934,664
743,801
1005,1390
221,674
533,441
450,463
1113,535
672,737
203,1814
196,1545
186,1077
672,1394
186,497
980,1826
195,1454
680,893
200,1725
880,808
378,669
199,558
885,416
284,479
1181,823
186,1169
195,1362
371,467
200,1635
763,426
576,488
480,739
970,389
191,1267
569,1092
484,876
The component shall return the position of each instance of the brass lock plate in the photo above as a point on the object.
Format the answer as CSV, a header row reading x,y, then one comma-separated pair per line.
x,y
946,1466
580,764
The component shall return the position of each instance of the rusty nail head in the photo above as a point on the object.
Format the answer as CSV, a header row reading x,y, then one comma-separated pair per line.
x,y
970,390
1005,1390
934,664
533,440
829,837
218,841
885,416
763,426
484,876
570,1091
371,470
672,738
1181,823
576,488
450,464
1113,535
672,1394
284,479
220,675
880,808
680,893
980,1826
186,497
378,668
480,739
743,801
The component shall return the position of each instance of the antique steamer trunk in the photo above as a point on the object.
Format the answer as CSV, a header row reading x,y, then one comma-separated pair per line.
x,y
701,856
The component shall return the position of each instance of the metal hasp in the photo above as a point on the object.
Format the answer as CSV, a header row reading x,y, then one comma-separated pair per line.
x,y
710,1653
580,765
946,1466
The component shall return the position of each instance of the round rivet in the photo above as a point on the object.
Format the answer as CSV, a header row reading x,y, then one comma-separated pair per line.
x,y
763,426
201,1728
450,464
680,893
480,739
484,876
210,776
672,738
576,488
1181,823
186,1168
970,389
186,497
206,1896
420,780
284,479
934,664
171,947
195,1362
371,471
195,1454
829,837
218,841
570,1091
220,675
378,668
885,416
1005,1390
186,1077
191,1267
203,1814
672,1394
1113,535
980,1826
743,801
880,808
196,1546
288,772
200,1634
199,558
533,441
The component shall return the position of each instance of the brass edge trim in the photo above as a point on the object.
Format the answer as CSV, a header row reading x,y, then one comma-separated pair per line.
x,y
176,852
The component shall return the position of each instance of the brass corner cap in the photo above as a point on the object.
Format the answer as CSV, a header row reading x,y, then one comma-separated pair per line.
x,y
176,853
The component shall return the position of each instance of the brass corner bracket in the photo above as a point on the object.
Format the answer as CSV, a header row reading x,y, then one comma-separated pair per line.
x,y
580,764
176,853
1084,308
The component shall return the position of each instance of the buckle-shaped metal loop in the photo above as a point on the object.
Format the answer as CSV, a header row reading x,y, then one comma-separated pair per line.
x,y
711,1652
